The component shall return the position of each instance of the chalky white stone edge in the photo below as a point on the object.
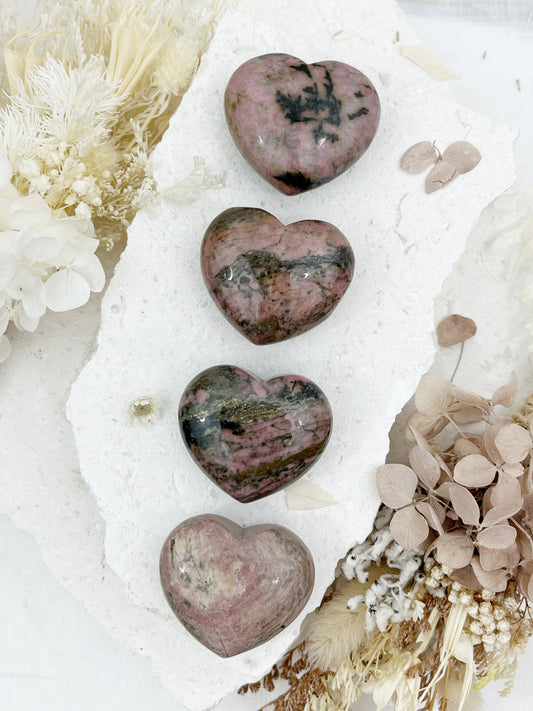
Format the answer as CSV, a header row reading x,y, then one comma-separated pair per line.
x,y
159,327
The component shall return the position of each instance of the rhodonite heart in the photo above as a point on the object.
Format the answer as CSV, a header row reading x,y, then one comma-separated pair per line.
x,y
274,281
234,588
300,125
252,437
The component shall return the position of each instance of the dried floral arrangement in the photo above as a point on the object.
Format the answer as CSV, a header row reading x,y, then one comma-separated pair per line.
x,y
437,601
87,94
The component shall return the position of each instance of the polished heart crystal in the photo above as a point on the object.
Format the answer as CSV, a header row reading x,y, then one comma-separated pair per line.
x,y
252,437
234,588
274,281
300,125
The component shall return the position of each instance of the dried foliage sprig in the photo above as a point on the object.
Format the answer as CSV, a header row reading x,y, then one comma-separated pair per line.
x,y
88,93
436,603
459,158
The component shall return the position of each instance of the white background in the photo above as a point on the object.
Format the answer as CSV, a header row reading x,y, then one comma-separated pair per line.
x,y
53,655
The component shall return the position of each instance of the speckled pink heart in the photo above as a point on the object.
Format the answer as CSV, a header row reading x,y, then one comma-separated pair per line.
x,y
234,588
300,125
274,281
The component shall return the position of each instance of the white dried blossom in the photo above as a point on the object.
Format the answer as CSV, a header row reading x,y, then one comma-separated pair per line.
x,y
47,259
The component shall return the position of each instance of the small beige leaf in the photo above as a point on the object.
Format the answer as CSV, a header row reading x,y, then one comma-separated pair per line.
x,y
500,513
464,505
506,492
462,155
427,61
495,580
506,394
525,544
514,443
465,577
489,443
304,495
492,559
409,528
474,471
514,470
424,466
422,426
442,174
454,549
396,485
455,329
499,536
418,157
433,395
429,513
463,446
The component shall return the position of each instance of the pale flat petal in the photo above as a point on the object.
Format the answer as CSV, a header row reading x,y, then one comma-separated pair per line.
x,y
33,304
41,248
4,319
22,321
93,272
6,171
5,348
29,211
65,290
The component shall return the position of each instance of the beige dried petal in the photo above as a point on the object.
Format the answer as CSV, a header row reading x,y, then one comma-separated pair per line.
x,y
444,490
305,495
499,536
465,577
425,466
514,443
396,485
438,509
418,157
455,329
524,542
409,528
500,513
433,395
492,559
525,579
489,443
513,470
495,580
424,425
527,505
463,414
506,394
474,471
442,174
454,549
462,155
429,513
506,491
464,505
463,447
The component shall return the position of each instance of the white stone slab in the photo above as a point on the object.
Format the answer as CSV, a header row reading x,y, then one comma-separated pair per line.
x,y
159,327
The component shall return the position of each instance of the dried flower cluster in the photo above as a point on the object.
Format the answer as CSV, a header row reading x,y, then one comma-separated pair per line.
x,y
437,601
88,93
459,158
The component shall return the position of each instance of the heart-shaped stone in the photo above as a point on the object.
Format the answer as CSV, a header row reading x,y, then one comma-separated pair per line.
x,y
234,588
252,437
274,281
300,125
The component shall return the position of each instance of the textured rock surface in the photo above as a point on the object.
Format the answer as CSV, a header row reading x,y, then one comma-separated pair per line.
x,y
274,281
300,125
40,483
253,438
234,588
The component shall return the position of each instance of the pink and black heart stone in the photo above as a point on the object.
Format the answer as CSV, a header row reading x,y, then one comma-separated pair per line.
x,y
300,125
251,437
274,281
234,588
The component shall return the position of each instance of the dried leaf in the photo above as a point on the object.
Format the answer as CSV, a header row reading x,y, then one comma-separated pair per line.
x,y
506,492
418,157
513,470
495,580
429,513
442,174
438,508
304,495
396,485
427,61
506,394
454,549
524,542
424,466
493,559
465,577
464,505
500,536
424,425
409,528
514,443
463,156
474,471
463,447
433,395
455,329
500,513
489,443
